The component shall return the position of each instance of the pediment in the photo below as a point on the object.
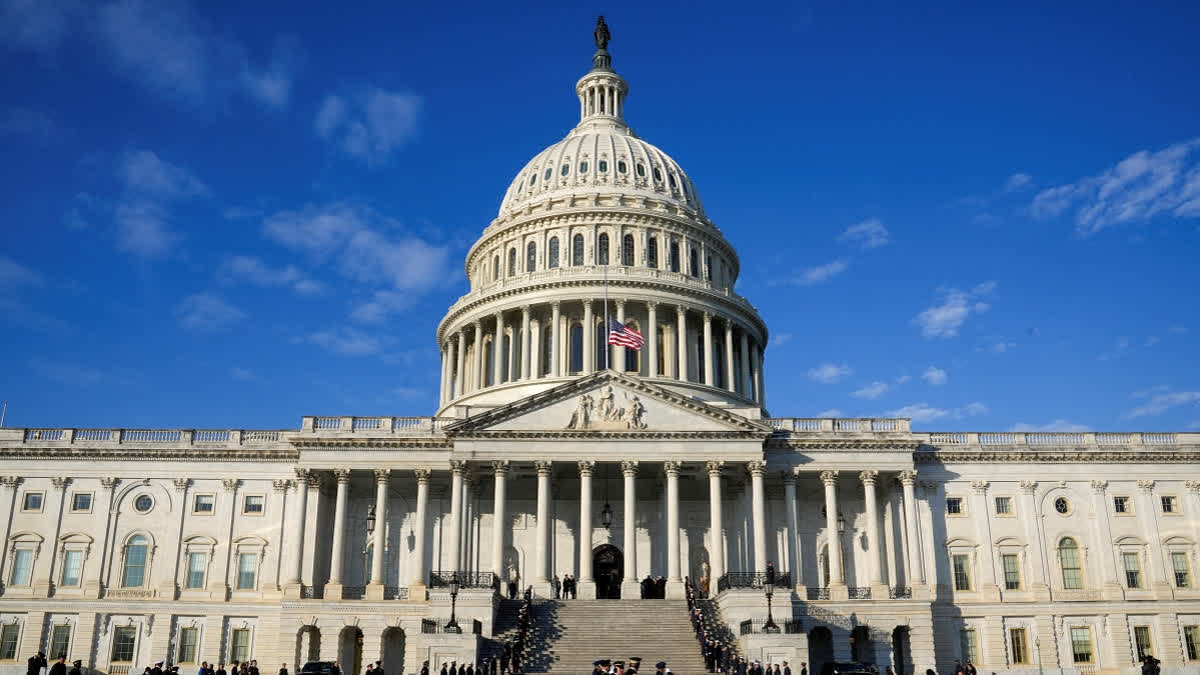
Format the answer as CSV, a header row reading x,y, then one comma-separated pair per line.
x,y
607,402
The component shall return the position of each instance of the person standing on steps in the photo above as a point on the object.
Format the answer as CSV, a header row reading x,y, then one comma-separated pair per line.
x,y
444,669
425,668
556,586
803,668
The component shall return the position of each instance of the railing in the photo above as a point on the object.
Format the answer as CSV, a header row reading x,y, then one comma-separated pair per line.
x,y
129,593
956,438
859,592
441,579
354,592
327,423
395,592
783,582
818,594
900,593
433,626
119,668
1046,438
838,425
163,437
1065,439
94,434
311,593
791,626
43,435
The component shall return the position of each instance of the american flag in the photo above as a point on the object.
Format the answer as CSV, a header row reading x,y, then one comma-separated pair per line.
x,y
620,334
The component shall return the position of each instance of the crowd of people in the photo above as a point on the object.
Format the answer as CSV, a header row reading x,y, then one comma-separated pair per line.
x,y
654,588
37,663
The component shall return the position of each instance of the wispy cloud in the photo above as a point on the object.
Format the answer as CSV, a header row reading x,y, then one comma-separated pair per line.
x,y
871,391
36,25
1142,186
780,339
205,312
923,412
141,217
369,125
829,373
934,376
143,229
1000,347
867,234
13,274
142,172
816,275
253,270
345,341
1018,181
832,412
1161,400
1056,425
945,318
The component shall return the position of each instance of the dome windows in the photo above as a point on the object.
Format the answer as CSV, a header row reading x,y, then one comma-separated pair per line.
x,y
577,250
549,172
671,179
603,166
673,256
512,262
602,250
532,178
627,250
531,257
657,175
566,168
641,170
621,168
583,166
652,253
694,268
552,259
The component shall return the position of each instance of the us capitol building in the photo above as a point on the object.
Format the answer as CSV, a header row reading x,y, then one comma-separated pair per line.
x,y
1023,552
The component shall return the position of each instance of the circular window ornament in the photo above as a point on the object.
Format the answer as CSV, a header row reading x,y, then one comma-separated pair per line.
x,y
1062,505
143,503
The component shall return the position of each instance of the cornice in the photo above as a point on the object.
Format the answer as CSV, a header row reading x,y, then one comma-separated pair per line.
x,y
841,443
1059,455
90,453
609,435
319,443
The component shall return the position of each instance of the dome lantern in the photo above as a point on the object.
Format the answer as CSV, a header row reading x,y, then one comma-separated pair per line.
x,y
602,91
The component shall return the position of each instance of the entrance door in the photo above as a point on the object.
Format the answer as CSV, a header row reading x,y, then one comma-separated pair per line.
x,y
350,649
608,567
900,658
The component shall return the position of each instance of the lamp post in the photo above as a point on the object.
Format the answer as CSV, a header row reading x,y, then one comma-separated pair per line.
x,y
370,520
1037,646
606,516
769,589
452,627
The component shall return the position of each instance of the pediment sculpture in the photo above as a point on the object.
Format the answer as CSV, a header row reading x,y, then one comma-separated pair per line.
x,y
606,413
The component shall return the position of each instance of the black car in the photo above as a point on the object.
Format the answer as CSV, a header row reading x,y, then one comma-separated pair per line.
x,y
848,668
318,668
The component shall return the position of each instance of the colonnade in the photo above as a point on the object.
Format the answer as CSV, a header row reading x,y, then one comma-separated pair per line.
x,y
553,340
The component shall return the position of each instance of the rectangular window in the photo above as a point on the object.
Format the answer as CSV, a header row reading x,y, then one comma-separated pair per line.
x,y
954,506
72,567
239,649
1183,574
1133,570
1141,639
253,504
962,573
1016,639
22,567
195,569
1012,572
1169,504
968,645
81,501
203,504
188,639
247,563
1003,506
1121,505
9,634
32,501
122,644
1081,644
60,640
1191,642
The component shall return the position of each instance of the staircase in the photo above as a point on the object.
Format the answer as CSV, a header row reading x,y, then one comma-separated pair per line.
x,y
715,626
568,635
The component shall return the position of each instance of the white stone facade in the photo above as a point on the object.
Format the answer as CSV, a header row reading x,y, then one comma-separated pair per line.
x,y
1047,552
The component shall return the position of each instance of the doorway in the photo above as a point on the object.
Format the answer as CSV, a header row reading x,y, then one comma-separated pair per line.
x,y
393,650
820,651
350,646
608,567
900,651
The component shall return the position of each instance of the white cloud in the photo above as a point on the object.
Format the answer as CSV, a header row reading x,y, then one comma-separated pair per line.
x,y
370,125
1140,187
1017,181
903,378
832,412
255,271
1152,340
36,25
972,409
382,305
999,347
345,341
142,229
867,234
923,412
829,373
158,43
943,320
934,376
871,391
1056,425
1159,403
143,173
142,219
819,274
13,274
206,312
780,339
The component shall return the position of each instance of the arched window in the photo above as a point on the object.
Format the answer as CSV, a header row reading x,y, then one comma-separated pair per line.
x,y
1068,559
652,253
708,268
576,348
552,262
604,352
602,250
577,250
530,257
621,166
547,338
506,344
512,262
489,362
627,250
133,575
694,264
495,268
657,175
633,356
673,256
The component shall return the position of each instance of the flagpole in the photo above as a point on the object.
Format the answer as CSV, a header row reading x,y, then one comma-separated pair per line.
x,y
606,328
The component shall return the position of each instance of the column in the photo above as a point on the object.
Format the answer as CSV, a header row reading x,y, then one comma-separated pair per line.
x,y
762,378
716,531
618,351
479,360
674,578
874,540
681,341
555,342
337,556
629,586
1026,508
525,337
1147,515
652,339
498,351
446,357
416,587
536,366
915,565
540,578
453,538
499,520
299,516
375,589
730,377
589,338
833,538
587,584
466,559
746,387
789,506
978,512
759,514
756,373
459,375
709,378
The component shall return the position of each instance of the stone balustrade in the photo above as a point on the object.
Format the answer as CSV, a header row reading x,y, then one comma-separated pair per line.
x,y
985,439
157,437
839,425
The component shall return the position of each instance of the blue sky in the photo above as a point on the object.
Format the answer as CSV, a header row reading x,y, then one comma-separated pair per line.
x,y
229,215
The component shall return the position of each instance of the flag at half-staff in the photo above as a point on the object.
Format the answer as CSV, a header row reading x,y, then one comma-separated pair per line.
x,y
624,336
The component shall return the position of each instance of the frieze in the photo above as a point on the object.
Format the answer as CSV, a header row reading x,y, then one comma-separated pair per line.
x,y
606,413
1140,456
198,454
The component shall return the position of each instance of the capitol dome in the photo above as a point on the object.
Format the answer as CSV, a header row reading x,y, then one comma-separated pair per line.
x,y
600,227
